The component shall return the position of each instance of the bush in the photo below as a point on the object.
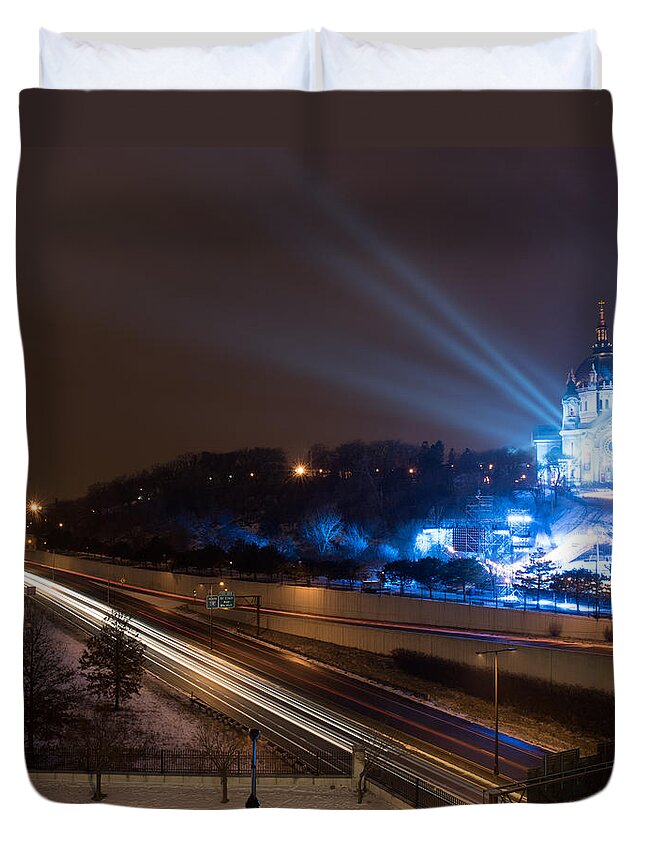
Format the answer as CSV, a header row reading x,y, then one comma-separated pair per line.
x,y
555,628
577,707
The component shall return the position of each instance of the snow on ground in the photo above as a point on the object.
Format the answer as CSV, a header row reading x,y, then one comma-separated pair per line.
x,y
160,709
574,528
157,708
382,670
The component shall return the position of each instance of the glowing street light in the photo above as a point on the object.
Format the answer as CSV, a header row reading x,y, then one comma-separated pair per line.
x,y
35,508
299,470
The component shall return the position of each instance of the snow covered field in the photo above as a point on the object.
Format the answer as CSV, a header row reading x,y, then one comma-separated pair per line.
x,y
575,527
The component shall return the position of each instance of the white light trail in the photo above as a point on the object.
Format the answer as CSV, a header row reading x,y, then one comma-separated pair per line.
x,y
230,687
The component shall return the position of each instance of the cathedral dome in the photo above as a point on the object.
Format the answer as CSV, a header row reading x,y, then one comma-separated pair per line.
x,y
602,363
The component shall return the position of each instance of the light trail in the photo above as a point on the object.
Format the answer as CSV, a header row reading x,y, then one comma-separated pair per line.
x,y
287,718
280,711
207,666
586,646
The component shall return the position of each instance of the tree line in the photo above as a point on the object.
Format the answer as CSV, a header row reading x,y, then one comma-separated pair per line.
x,y
358,503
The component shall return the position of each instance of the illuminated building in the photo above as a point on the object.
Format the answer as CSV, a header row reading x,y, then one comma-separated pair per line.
x,y
581,451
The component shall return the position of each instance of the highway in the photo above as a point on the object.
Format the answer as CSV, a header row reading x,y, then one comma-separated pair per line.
x,y
294,701
455,633
480,636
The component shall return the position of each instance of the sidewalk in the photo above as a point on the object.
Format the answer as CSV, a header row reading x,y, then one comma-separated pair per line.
x,y
186,796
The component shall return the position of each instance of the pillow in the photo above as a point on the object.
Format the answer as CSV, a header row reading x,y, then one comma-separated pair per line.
x,y
566,62
286,62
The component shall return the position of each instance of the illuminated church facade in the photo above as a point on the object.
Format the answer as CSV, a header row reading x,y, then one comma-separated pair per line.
x,y
580,453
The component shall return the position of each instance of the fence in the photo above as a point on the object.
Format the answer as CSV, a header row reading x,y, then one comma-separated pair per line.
x,y
548,601
188,762
192,762
563,777
510,598
414,791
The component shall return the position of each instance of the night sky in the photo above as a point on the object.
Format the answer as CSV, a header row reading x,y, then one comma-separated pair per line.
x,y
191,299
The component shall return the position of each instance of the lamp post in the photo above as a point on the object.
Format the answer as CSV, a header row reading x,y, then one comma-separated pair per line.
x,y
497,653
210,621
253,802
597,585
209,604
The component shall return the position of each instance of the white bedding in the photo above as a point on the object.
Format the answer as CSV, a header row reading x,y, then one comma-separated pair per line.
x,y
293,62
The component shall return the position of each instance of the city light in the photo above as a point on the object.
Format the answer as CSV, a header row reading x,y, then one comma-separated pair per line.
x,y
299,470
519,519
431,539
423,542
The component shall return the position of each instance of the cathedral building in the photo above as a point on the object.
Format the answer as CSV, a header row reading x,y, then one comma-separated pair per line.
x,y
580,453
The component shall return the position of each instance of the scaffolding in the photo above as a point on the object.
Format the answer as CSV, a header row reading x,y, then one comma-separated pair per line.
x,y
484,532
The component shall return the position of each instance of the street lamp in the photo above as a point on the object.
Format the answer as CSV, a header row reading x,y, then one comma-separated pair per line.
x,y
497,653
253,802
210,616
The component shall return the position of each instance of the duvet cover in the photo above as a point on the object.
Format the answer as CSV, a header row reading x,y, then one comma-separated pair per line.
x,y
319,402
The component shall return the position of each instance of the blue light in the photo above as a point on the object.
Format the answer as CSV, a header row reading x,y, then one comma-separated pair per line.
x,y
423,543
519,519
484,349
432,540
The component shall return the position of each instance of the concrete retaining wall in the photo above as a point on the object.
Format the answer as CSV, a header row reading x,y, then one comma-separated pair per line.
x,y
583,669
358,605
580,667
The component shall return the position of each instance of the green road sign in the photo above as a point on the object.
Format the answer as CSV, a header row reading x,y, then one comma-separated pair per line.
x,y
221,601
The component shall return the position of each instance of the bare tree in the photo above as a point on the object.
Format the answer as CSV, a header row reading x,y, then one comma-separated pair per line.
x,y
374,751
221,748
103,737
323,530
354,540
47,681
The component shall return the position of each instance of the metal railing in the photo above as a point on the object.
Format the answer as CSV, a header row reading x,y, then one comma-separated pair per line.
x,y
187,762
567,786
546,601
414,791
